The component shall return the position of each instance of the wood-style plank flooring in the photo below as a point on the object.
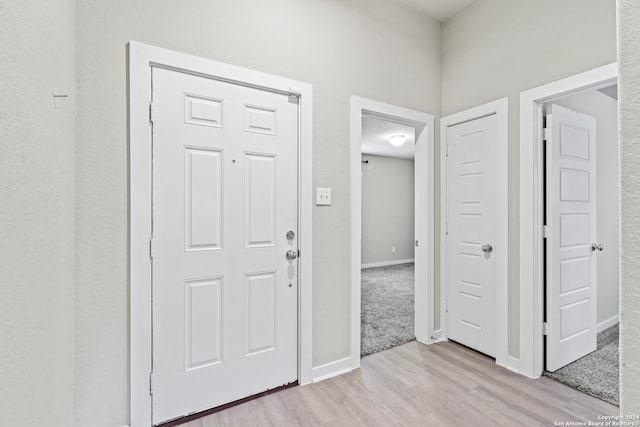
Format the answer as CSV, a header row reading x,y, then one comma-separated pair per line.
x,y
442,384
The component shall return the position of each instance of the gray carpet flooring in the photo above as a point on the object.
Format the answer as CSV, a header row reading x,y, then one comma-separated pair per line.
x,y
387,307
597,373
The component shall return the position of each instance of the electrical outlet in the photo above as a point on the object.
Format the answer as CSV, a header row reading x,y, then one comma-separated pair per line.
x,y
323,197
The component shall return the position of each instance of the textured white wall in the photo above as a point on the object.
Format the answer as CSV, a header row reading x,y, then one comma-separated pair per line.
x,y
388,209
498,48
605,110
629,83
376,49
37,57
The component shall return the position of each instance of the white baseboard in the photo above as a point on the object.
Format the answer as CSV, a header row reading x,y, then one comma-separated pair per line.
x,y
331,369
607,323
513,364
438,336
386,263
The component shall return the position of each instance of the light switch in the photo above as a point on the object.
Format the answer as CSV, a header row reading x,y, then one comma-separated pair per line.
x,y
323,197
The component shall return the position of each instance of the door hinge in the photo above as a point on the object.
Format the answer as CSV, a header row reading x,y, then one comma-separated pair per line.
x,y
546,329
151,113
151,248
546,134
446,150
446,306
151,383
546,231
417,243
446,228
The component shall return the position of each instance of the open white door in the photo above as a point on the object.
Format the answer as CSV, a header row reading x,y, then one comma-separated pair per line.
x,y
571,236
471,233
225,241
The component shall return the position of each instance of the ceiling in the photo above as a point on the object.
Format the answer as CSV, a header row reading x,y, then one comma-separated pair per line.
x,y
439,9
375,138
376,132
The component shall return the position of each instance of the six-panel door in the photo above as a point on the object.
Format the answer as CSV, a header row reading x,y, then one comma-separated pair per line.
x,y
224,198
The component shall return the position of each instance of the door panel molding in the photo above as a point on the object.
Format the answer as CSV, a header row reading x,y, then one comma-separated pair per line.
x,y
531,357
501,109
140,59
424,198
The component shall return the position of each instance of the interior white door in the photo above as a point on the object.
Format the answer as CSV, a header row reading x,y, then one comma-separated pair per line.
x,y
224,200
471,233
571,230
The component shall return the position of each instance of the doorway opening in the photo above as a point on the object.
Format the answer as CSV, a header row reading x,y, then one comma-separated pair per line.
x,y
532,215
388,235
581,259
203,111
417,246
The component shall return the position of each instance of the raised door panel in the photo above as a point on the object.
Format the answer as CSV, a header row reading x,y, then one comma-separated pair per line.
x,y
260,313
260,120
203,199
260,200
203,323
201,110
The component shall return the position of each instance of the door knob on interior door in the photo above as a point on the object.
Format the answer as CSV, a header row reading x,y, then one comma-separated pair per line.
x,y
597,246
291,255
487,248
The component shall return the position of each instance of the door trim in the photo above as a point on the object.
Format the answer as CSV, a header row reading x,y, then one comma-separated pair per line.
x,y
501,109
531,208
140,58
424,201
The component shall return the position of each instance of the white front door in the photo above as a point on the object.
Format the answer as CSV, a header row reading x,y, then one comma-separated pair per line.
x,y
224,199
471,239
571,230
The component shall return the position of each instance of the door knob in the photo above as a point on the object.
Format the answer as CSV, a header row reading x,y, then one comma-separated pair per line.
x,y
487,248
291,235
291,255
597,246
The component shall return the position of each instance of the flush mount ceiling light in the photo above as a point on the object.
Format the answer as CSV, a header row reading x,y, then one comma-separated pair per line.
x,y
397,140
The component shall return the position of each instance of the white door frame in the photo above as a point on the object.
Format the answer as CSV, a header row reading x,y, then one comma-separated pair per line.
x,y
424,231
531,208
141,57
501,109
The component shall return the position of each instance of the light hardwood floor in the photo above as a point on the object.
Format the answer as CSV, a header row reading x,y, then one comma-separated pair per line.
x,y
442,384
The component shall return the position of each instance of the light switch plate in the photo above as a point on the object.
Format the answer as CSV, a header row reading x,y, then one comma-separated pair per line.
x,y
323,197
